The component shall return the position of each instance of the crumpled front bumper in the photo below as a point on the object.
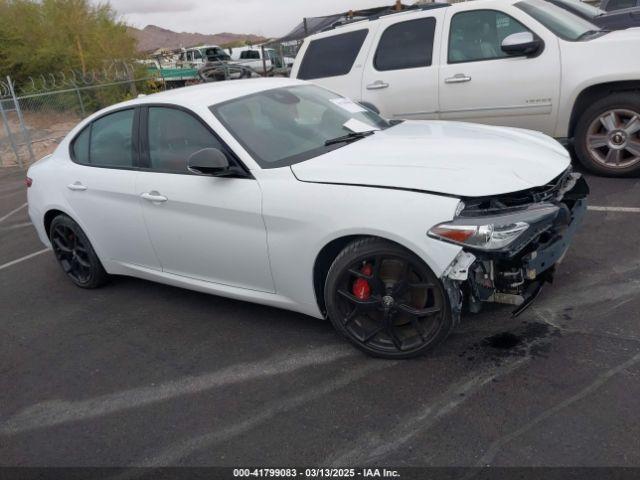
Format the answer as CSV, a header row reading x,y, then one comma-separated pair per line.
x,y
515,274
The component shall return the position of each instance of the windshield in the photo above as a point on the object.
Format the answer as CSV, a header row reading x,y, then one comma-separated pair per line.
x,y
563,23
288,125
582,8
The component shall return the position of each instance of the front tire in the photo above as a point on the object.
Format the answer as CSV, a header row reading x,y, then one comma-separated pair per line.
x,y
386,301
607,140
75,253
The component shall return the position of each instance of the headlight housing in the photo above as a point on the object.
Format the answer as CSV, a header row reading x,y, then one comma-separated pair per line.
x,y
489,236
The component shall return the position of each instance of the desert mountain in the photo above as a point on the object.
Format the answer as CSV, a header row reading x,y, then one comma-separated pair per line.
x,y
151,38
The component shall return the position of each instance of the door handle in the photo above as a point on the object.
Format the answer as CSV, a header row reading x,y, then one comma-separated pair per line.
x,y
154,197
76,187
377,85
458,78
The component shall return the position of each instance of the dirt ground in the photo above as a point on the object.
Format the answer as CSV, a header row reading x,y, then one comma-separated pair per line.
x,y
45,130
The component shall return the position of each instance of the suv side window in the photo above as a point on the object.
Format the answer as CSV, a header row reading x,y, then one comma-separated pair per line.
x,y
477,35
332,56
173,136
406,45
106,142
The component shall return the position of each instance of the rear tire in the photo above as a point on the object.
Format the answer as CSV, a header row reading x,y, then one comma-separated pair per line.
x,y
607,139
386,301
75,254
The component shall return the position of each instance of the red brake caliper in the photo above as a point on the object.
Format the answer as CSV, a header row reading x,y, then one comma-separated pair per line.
x,y
361,288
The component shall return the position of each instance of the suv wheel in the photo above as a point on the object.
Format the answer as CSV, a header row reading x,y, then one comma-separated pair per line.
x,y
608,136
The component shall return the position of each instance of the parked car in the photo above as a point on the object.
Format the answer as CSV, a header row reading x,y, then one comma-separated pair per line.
x,y
198,56
616,20
252,57
611,5
520,63
283,193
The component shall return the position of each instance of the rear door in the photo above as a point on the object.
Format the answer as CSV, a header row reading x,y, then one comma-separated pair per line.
x,y
480,83
335,59
100,187
400,78
201,227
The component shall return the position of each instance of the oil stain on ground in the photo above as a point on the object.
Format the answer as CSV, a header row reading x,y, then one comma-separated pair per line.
x,y
526,340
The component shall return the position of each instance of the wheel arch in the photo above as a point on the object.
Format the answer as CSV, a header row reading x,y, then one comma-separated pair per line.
x,y
593,93
326,256
50,215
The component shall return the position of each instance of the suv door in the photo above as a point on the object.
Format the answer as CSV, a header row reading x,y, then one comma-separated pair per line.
x,y
481,83
100,187
203,227
399,78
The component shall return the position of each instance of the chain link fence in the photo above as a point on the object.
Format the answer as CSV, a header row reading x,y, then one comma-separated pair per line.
x,y
36,115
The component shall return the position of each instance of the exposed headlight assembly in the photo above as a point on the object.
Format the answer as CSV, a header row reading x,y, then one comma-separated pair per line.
x,y
495,232
485,237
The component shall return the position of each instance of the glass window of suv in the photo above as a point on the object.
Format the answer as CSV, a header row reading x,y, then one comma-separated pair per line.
x,y
331,56
173,136
250,55
477,35
562,23
107,142
406,45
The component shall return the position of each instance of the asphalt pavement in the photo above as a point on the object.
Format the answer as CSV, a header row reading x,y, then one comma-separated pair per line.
x,y
138,373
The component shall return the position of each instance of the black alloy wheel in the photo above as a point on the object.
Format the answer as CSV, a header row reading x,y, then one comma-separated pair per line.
x,y
75,253
386,300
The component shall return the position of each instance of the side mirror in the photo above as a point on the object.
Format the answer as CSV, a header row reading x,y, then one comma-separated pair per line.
x,y
208,161
521,44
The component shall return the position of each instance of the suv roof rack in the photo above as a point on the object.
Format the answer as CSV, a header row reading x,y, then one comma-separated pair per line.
x,y
426,6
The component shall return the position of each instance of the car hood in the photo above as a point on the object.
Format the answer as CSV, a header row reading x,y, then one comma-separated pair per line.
x,y
452,158
620,36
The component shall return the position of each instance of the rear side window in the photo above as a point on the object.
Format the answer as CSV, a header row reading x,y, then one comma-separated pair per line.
x,y
106,142
406,45
250,55
332,56
81,147
174,135
111,140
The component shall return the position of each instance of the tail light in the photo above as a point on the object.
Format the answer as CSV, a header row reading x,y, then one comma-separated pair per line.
x,y
28,181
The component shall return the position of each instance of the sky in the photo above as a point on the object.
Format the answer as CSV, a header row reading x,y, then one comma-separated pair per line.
x,y
270,18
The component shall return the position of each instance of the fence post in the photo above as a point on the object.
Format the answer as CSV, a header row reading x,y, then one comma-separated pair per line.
x,y
79,99
7,129
25,131
132,80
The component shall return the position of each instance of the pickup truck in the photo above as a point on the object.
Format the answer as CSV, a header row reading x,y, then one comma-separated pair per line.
x,y
519,63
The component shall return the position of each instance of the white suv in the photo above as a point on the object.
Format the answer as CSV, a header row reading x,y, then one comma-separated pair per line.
x,y
520,63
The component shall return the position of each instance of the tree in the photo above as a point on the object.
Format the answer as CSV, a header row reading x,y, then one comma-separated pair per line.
x,y
38,37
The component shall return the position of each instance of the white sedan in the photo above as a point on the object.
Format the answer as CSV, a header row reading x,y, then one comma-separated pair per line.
x,y
283,193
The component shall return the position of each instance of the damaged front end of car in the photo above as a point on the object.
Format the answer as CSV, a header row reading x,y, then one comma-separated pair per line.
x,y
511,243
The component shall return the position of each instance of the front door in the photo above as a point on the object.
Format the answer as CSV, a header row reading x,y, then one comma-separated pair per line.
x,y
480,83
201,227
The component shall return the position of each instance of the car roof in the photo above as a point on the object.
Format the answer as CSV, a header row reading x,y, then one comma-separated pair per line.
x,y
208,94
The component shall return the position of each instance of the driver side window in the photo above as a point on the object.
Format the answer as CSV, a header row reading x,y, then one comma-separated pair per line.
x,y
477,35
